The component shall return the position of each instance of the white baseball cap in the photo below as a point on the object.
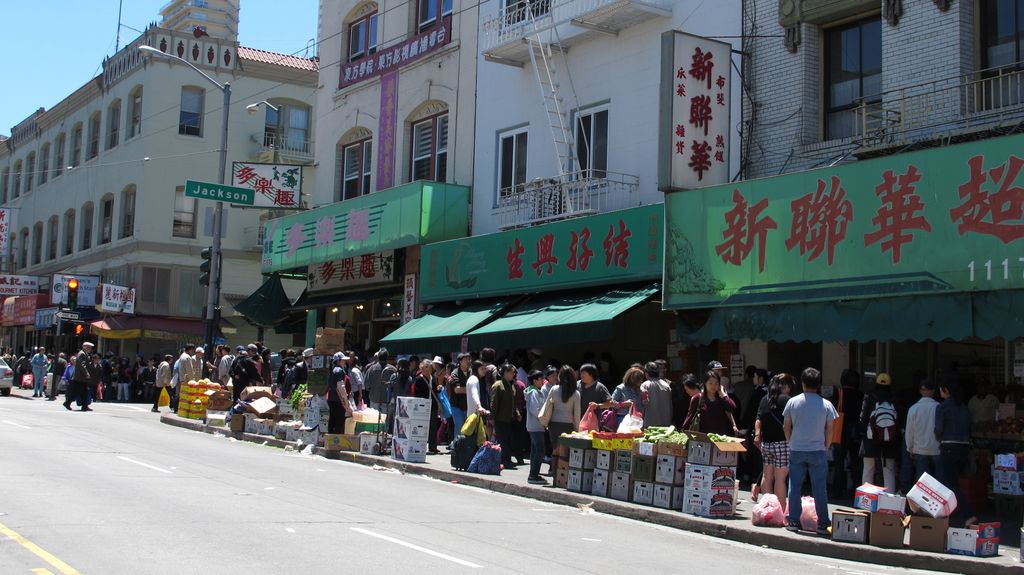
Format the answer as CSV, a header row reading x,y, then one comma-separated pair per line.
x,y
199,350
308,352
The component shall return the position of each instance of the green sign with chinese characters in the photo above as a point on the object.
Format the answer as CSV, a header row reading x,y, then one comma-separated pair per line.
x,y
408,215
602,249
944,220
219,193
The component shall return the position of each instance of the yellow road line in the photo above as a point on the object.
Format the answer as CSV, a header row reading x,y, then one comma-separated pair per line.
x,y
41,571
38,552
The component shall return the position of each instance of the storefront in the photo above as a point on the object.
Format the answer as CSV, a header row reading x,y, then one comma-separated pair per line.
x,y
580,290
909,264
356,257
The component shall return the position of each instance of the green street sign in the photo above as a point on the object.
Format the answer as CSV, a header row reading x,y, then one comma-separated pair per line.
x,y
220,193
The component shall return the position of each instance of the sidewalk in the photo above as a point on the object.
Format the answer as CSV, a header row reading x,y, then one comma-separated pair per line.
x,y
513,482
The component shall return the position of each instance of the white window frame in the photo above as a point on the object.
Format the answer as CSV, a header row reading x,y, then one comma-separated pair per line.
x,y
113,124
135,113
69,233
176,225
185,124
362,173
513,134
589,115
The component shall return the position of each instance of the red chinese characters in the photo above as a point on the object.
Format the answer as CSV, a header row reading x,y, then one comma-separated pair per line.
x,y
700,159
545,255
284,197
743,229
700,112
348,269
702,65
514,258
997,212
245,174
898,214
616,246
579,253
820,220
327,271
368,265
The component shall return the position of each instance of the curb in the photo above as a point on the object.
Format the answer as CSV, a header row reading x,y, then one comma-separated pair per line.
x,y
733,530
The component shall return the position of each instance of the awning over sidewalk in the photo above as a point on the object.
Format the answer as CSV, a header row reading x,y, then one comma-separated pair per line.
x,y
562,317
316,300
442,327
116,327
266,305
985,315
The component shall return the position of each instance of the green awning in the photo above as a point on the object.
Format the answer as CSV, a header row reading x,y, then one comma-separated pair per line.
x,y
985,315
442,327
319,300
561,317
266,305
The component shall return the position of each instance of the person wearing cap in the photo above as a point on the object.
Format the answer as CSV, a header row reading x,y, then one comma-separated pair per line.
x,y
300,373
337,394
878,408
80,380
244,372
922,444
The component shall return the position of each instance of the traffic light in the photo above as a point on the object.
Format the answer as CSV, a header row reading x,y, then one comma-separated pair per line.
x,y
79,328
206,266
72,286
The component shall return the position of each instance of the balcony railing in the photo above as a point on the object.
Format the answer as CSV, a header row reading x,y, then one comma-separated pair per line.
x,y
550,199
950,107
286,148
576,20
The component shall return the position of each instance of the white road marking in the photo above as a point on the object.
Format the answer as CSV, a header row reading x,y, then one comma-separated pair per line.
x,y
589,539
131,407
289,530
146,465
430,552
16,424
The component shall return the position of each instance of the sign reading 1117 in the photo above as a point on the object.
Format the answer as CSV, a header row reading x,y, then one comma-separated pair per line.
x,y
220,193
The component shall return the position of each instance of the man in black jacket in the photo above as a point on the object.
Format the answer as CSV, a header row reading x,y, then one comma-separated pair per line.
x,y
244,372
60,363
83,377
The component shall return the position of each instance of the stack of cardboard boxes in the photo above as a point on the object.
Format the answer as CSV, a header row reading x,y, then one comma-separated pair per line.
x,y
1008,474
411,429
710,484
878,518
582,462
669,475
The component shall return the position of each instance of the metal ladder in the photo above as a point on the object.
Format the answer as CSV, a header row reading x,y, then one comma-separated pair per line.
x,y
542,59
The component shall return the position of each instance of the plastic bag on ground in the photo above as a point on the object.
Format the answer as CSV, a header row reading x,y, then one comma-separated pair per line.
x,y
165,398
808,514
768,512
487,460
632,421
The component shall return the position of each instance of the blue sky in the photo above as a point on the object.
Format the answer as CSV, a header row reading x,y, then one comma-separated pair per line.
x,y
52,47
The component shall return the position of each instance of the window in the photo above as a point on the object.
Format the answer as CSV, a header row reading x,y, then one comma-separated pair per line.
x,y
69,232
106,221
270,126
362,37
191,296
128,212
76,146
430,149
87,218
356,169
1002,33
155,290
37,243
519,10
592,143
429,10
30,171
298,128
23,260
854,71
5,180
113,124
16,188
512,154
51,241
190,122
94,137
58,155
135,114
184,214
44,163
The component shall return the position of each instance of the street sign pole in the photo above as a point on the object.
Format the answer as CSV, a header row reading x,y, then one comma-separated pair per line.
x,y
213,290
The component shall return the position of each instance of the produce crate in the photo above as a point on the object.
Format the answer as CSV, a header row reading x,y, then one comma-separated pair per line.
x,y
613,444
643,469
673,449
578,442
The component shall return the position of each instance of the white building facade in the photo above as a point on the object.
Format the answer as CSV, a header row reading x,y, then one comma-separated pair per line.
x,y
96,183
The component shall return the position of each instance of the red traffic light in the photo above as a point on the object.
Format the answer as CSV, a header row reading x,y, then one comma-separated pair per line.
x,y
79,328
72,283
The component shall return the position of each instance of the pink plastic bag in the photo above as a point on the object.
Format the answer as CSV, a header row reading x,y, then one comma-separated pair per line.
x,y
768,512
808,514
589,421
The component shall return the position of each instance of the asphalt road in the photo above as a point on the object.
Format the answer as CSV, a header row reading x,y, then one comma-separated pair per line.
x,y
115,491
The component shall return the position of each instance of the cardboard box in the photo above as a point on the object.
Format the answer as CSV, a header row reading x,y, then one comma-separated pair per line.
x,y
674,449
600,484
890,504
582,458
643,492
294,434
254,392
643,448
623,461
562,474
220,401
981,540
263,407
250,423
1006,482
886,531
329,340
265,426
865,497
580,481
621,486
669,469
696,503
933,498
643,468
367,443
723,501
409,450
668,496
340,442
850,525
928,533
413,408
216,418
237,422
411,429
702,451
284,406
603,459
1006,461
581,442
309,436
705,476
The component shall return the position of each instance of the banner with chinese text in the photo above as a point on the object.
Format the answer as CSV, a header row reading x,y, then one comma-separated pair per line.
x,y
276,185
944,220
607,248
118,299
18,285
5,232
693,143
393,57
356,271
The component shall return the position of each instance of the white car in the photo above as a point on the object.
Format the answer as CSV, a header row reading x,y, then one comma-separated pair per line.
x,y
6,378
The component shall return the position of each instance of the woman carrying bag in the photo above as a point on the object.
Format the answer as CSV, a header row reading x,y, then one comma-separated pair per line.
x,y
712,411
561,411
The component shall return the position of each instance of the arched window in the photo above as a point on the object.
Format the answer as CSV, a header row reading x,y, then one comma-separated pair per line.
x,y
87,222
37,243
361,24
58,154
23,258
76,145
135,112
30,171
16,188
287,128
93,148
128,212
52,231
69,232
106,220
428,138
353,157
5,181
113,123
44,163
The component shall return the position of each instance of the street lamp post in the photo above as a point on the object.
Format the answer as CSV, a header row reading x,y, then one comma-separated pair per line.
x,y
213,290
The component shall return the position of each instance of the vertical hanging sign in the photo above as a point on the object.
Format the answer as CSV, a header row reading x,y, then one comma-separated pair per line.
x,y
409,299
386,141
5,230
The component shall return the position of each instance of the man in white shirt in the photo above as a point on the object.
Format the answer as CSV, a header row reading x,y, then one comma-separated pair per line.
x,y
355,376
922,444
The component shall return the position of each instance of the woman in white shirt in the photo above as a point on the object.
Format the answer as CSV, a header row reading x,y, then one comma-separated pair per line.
x,y
473,390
